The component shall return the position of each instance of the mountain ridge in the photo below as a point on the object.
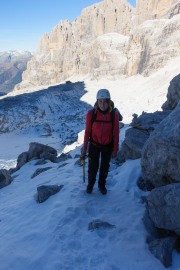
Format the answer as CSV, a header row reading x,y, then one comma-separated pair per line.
x,y
77,49
12,65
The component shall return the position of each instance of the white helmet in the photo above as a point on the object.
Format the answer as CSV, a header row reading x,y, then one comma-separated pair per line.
x,y
103,94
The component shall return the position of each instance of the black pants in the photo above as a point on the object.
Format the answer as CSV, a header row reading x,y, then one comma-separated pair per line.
x,y
99,156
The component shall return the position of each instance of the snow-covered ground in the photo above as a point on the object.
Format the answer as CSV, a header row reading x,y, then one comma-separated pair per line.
x,y
54,235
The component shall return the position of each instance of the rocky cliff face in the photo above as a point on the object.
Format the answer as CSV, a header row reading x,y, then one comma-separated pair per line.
x,y
109,39
12,65
152,45
156,9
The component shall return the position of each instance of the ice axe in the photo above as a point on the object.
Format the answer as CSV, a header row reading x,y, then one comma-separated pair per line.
x,y
83,168
83,162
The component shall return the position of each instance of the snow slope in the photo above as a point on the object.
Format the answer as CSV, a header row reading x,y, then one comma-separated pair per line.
x,y
54,235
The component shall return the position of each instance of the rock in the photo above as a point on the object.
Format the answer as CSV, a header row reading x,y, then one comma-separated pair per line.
x,y
144,185
162,249
136,136
120,39
133,144
49,156
44,192
37,151
160,160
144,56
5,178
149,226
161,242
149,121
40,170
173,95
22,159
97,224
163,206
63,157
12,65
155,9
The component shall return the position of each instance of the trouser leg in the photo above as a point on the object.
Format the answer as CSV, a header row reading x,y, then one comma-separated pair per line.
x,y
93,164
104,166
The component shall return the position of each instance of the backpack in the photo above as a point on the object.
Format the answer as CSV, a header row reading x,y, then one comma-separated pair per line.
x,y
93,119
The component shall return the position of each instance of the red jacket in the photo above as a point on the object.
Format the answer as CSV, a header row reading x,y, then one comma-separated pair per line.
x,y
102,131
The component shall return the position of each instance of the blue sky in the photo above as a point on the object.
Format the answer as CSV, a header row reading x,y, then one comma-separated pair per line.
x,y
23,22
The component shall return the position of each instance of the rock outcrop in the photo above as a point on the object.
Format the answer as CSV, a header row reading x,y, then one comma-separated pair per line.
x,y
173,95
149,49
156,9
161,153
5,178
138,134
36,151
110,39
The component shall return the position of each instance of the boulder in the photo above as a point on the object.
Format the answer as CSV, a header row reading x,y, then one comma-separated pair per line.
x,y
39,171
163,207
100,224
37,151
136,136
173,95
160,160
149,121
162,249
133,144
5,178
44,192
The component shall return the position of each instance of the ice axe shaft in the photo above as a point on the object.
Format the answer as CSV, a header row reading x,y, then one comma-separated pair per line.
x,y
83,161
83,167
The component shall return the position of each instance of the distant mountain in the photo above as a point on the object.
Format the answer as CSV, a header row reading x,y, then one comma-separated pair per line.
x,y
110,39
12,65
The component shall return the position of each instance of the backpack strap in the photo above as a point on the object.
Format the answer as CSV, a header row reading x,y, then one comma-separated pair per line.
x,y
112,120
94,115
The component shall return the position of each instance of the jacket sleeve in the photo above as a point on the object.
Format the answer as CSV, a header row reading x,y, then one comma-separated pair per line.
x,y
87,129
116,133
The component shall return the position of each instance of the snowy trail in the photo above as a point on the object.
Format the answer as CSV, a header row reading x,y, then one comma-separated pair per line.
x,y
54,234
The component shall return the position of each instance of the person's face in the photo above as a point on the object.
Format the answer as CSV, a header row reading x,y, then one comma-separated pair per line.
x,y
103,104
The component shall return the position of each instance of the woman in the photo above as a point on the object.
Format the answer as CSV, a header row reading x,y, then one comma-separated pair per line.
x,y
102,133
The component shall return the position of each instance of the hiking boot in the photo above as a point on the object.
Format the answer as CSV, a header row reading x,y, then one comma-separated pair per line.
x,y
89,189
103,190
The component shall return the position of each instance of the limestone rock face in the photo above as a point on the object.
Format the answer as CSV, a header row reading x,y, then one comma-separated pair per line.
x,y
152,45
156,9
110,39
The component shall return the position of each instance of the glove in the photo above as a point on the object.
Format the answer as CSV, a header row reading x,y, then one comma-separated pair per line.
x,y
83,155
